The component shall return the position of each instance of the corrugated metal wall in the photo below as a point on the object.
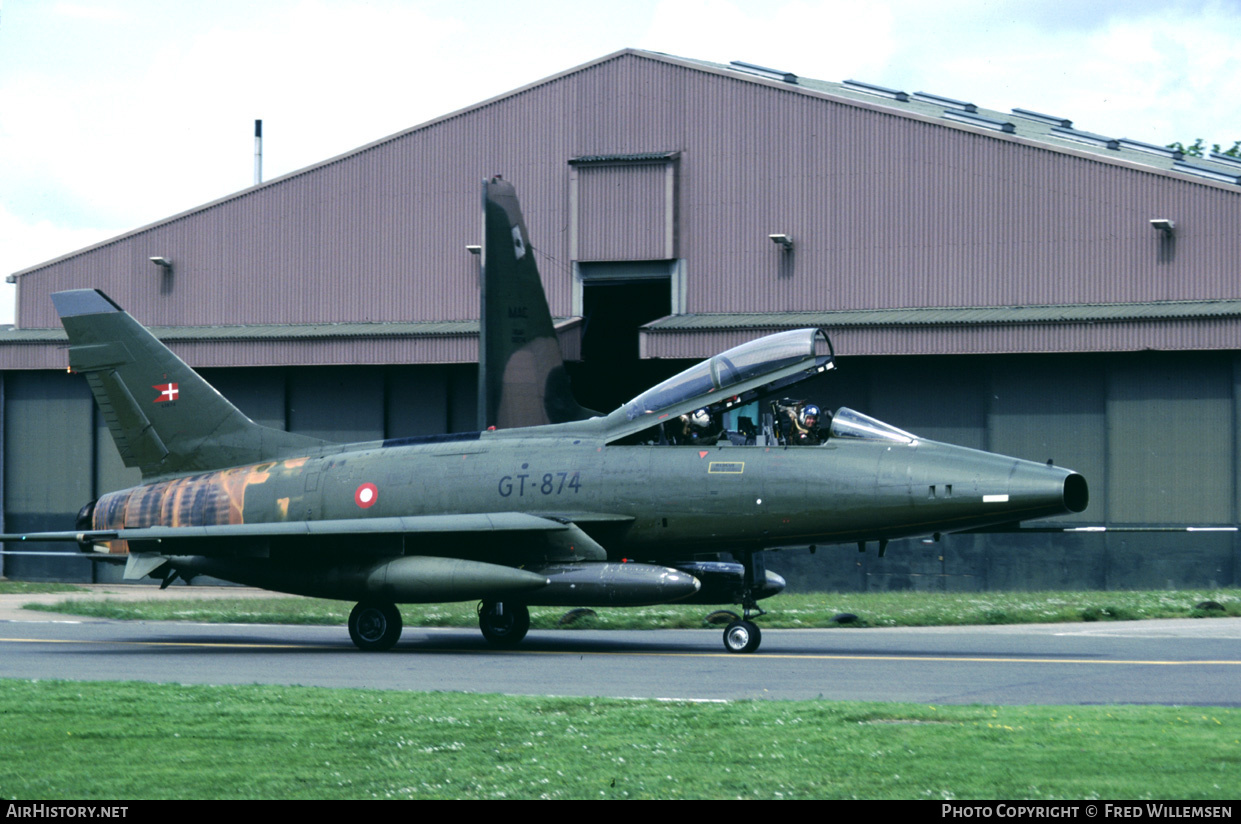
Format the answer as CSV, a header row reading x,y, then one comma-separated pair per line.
x,y
623,212
885,210
46,412
1170,335
1171,424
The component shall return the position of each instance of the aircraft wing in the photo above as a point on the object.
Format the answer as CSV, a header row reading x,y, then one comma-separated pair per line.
x,y
498,522
555,531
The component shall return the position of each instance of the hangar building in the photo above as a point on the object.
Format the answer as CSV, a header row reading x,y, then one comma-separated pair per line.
x,y
1002,280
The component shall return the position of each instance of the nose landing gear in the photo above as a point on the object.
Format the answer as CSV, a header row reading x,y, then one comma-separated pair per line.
x,y
743,635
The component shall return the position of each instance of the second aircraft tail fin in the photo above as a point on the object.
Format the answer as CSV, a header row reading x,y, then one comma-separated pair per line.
x,y
522,381
164,418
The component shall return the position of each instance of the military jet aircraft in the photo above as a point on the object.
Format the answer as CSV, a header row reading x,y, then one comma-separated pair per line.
x,y
635,507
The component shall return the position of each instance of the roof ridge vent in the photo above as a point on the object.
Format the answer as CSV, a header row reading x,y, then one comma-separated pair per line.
x,y
1202,171
927,97
1089,138
1229,160
763,71
1049,119
879,91
979,120
1149,148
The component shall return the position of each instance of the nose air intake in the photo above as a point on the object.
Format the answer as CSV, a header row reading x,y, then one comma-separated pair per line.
x,y
1076,493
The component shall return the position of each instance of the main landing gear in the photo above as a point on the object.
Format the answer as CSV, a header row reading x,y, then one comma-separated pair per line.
x,y
375,626
743,635
503,625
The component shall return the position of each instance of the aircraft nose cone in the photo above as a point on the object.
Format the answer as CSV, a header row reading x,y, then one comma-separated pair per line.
x,y
972,489
1048,488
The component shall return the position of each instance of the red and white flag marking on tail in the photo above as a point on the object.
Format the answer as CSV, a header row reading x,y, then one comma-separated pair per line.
x,y
167,392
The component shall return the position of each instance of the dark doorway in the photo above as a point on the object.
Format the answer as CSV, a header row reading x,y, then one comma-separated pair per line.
x,y
611,371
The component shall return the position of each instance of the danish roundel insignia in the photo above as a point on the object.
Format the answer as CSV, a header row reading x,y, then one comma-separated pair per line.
x,y
366,495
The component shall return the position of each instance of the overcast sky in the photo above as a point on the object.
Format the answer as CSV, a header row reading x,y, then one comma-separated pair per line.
x,y
116,113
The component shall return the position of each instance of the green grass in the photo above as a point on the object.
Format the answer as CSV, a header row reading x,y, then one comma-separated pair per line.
x,y
20,587
891,609
137,741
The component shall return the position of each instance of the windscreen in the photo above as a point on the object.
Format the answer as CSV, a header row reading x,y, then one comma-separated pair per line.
x,y
849,424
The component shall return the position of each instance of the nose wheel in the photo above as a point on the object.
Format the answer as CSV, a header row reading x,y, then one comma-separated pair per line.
x,y
742,637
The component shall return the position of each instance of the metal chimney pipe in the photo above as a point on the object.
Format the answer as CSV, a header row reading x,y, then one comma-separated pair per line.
x,y
258,152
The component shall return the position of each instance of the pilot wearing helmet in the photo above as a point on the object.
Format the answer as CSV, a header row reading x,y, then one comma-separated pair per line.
x,y
699,428
801,423
806,425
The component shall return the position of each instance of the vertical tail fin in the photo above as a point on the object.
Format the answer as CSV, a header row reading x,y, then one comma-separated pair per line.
x,y
522,379
164,418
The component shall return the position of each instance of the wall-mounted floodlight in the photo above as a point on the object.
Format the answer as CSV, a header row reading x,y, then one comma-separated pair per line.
x,y
474,250
1162,224
783,241
163,263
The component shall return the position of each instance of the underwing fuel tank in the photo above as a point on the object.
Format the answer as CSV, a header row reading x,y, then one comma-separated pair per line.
x,y
411,579
611,584
427,578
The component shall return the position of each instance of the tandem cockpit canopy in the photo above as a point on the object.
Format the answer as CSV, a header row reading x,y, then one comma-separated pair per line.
x,y
765,364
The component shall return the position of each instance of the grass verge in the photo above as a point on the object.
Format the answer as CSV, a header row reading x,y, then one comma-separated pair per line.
x,y
140,741
20,587
890,609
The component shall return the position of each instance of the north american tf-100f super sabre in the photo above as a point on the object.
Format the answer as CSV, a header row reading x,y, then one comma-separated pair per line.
x,y
635,507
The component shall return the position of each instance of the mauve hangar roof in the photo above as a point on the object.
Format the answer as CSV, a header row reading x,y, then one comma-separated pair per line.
x,y
880,319
1051,129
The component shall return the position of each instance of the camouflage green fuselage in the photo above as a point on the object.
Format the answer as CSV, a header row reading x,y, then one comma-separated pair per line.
x,y
643,502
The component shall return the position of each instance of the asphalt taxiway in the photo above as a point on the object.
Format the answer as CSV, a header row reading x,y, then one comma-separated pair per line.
x,y
1183,662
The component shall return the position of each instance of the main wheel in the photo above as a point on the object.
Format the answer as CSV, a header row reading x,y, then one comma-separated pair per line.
x,y
742,637
375,626
503,625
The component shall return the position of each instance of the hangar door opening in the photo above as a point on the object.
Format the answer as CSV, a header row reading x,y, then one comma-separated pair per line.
x,y
617,298
623,241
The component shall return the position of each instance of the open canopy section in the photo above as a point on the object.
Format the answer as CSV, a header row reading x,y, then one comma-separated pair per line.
x,y
773,355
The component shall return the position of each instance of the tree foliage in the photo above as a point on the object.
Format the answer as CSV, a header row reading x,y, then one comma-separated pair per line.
x,y
1198,149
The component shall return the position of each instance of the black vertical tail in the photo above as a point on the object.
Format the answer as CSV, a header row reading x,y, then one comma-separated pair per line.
x,y
522,378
